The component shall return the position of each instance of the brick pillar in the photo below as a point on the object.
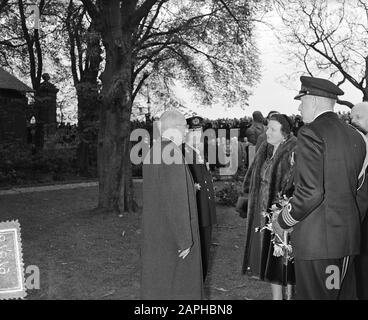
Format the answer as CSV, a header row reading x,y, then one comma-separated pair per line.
x,y
45,107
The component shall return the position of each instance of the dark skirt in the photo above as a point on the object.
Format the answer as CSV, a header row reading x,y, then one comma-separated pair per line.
x,y
261,262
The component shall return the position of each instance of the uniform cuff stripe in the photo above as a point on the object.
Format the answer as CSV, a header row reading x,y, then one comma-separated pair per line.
x,y
288,219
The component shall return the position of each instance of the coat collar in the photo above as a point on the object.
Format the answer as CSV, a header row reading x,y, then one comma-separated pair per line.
x,y
325,114
288,145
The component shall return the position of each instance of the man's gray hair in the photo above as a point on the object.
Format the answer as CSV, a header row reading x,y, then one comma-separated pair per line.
x,y
326,103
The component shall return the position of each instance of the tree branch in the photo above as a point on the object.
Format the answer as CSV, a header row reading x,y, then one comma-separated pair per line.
x,y
151,23
229,11
78,28
39,56
71,43
91,8
305,62
8,43
338,66
141,12
29,42
140,84
345,103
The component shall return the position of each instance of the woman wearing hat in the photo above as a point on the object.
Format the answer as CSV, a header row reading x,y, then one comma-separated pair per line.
x,y
271,173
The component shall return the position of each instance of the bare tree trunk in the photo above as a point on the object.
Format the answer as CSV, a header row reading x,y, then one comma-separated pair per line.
x,y
116,192
114,146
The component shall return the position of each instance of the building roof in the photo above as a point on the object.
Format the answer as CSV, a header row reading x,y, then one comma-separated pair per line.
x,y
8,81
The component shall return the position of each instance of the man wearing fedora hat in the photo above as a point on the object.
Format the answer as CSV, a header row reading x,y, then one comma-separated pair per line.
x,y
324,211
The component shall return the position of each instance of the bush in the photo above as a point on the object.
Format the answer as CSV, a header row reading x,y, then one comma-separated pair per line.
x,y
15,159
18,164
14,155
229,194
57,162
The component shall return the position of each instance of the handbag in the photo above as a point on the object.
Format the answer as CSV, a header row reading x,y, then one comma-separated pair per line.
x,y
242,206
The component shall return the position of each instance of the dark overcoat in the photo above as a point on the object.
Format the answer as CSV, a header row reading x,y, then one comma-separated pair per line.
x,y
206,204
170,224
254,131
281,181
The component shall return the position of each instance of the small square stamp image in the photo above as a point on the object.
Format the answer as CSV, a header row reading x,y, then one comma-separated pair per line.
x,y
12,285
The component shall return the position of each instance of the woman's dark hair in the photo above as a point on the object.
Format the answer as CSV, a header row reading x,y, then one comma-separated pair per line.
x,y
285,121
257,116
272,112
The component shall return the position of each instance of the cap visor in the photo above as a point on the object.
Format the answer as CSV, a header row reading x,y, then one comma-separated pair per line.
x,y
297,97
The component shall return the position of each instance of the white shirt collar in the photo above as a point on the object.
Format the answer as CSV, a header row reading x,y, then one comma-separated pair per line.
x,y
321,114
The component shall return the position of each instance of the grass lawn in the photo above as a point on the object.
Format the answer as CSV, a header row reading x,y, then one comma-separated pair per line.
x,y
82,254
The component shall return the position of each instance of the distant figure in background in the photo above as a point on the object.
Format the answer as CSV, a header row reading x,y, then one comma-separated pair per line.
x,y
243,126
298,123
263,136
243,155
205,194
170,251
256,129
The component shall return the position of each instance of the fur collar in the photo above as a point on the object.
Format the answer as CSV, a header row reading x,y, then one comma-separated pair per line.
x,y
265,150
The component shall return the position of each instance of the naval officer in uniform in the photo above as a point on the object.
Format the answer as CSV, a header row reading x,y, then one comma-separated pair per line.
x,y
194,156
324,211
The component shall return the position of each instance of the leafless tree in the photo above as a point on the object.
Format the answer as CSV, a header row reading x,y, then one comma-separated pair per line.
x,y
328,37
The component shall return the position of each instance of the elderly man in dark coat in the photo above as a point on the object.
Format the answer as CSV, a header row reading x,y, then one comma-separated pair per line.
x,y
324,211
171,256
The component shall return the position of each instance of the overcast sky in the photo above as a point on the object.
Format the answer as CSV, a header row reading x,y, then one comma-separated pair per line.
x,y
270,94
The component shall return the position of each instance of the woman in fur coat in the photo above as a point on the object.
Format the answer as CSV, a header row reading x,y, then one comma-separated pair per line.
x,y
270,174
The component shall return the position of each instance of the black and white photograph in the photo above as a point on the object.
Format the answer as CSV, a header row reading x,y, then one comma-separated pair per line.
x,y
198,152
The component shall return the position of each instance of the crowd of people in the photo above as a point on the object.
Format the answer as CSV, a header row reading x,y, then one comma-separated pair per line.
x,y
305,189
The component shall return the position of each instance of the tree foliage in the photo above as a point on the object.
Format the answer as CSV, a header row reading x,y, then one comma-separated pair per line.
x,y
208,45
28,50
